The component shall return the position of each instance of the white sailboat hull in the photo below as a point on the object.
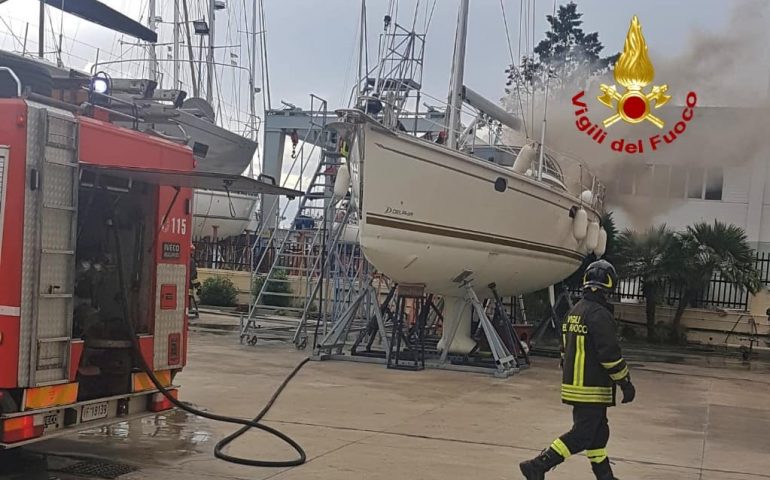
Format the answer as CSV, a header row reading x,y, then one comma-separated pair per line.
x,y
212,214
430,213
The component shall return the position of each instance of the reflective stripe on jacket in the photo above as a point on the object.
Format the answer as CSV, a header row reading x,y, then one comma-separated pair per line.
x,y
592,361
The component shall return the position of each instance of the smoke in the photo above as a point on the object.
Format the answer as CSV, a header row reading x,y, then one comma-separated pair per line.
x,y
728,70
729,67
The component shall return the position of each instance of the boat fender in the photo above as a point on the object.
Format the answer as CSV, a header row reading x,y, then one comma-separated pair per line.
x,y
342,182
525,159
592,236
580,224
602,246
587,197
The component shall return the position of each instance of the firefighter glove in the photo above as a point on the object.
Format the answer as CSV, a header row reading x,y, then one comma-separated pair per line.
x,y
629,391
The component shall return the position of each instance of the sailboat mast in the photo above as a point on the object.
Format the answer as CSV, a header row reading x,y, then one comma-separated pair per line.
x,y
190,54
177,59
210,56
458,71
361,48
41,31
253,82
151,47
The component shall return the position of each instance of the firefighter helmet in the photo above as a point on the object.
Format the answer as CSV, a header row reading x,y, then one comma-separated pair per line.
x,y
600,274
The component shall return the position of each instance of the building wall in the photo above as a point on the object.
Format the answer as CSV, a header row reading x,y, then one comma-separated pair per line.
x,y
745,202
731,139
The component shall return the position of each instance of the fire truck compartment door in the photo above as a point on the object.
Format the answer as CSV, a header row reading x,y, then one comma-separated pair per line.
x,y
199,180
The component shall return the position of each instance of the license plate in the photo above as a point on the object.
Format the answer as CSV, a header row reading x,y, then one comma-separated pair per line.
x,y
51,421
94,411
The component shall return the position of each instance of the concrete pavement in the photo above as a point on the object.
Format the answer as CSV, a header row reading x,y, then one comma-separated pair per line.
x,y
364,421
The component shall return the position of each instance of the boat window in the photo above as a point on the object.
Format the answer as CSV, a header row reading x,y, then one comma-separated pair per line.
x,y
678,182
714,183
695,183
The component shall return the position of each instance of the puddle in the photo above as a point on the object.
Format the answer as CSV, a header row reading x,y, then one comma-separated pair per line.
x,y
170,432
160,439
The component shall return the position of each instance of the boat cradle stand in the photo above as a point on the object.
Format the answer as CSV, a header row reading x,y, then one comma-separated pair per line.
x,y
331,346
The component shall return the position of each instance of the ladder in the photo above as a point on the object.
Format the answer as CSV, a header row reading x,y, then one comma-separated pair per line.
x,y
305,251
320,277
56,179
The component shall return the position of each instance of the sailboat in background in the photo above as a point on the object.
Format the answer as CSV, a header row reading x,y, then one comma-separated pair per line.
x,y
440,211
188,120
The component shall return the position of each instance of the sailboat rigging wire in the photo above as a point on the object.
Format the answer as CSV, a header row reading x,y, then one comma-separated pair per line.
x,y
349,64
265,65
545,112
507,32
57,44
416,14
61,28
514,66
10,30
430,16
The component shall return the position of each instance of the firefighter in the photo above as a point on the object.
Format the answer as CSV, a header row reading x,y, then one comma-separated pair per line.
x,y
592,368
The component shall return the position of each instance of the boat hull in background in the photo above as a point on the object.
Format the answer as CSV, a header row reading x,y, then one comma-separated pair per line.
x,y
213,209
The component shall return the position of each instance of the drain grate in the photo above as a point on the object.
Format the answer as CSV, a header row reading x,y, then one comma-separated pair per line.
x,y
109,471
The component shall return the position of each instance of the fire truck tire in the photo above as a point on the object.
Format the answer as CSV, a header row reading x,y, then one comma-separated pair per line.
x,y
32,75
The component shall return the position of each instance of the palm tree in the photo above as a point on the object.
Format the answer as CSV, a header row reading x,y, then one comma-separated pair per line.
x,y
709,249
651,257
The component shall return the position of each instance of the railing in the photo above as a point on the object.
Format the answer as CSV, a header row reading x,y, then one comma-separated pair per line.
x,y
719,293
233,253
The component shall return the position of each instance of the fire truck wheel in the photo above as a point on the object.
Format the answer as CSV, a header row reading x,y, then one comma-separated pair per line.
x,y
32,74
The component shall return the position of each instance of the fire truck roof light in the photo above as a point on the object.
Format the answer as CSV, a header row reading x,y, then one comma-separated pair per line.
x,y
18,429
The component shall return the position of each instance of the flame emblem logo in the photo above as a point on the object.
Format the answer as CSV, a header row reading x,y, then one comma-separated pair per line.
x,y
634,71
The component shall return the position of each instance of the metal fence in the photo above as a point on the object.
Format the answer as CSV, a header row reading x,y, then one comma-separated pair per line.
x,y
719,293
233,253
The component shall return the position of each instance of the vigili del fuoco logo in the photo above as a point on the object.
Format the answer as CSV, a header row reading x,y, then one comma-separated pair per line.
x,y
633,72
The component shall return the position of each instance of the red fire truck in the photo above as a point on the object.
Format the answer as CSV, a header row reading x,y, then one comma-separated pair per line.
x,y
95,235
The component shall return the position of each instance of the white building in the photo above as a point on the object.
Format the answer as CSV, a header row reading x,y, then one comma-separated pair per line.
x,y
718,169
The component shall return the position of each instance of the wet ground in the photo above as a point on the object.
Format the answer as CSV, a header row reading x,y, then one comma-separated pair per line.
x,y
704,417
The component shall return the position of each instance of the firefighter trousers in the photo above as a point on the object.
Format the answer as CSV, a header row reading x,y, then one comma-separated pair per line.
x,y
590,433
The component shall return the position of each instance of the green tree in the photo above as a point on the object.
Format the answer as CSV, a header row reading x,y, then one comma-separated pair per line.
x,y
709,249
652,256
568,53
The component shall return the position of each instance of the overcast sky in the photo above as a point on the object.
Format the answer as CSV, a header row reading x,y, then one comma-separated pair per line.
x,y
311,42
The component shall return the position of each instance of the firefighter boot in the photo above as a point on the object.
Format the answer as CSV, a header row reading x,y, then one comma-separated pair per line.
x,y
536,468
603,471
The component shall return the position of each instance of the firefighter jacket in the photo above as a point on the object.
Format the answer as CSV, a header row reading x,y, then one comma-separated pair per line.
x,y
592,361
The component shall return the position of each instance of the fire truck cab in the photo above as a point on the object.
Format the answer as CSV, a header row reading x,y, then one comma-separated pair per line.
x,y
92,212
